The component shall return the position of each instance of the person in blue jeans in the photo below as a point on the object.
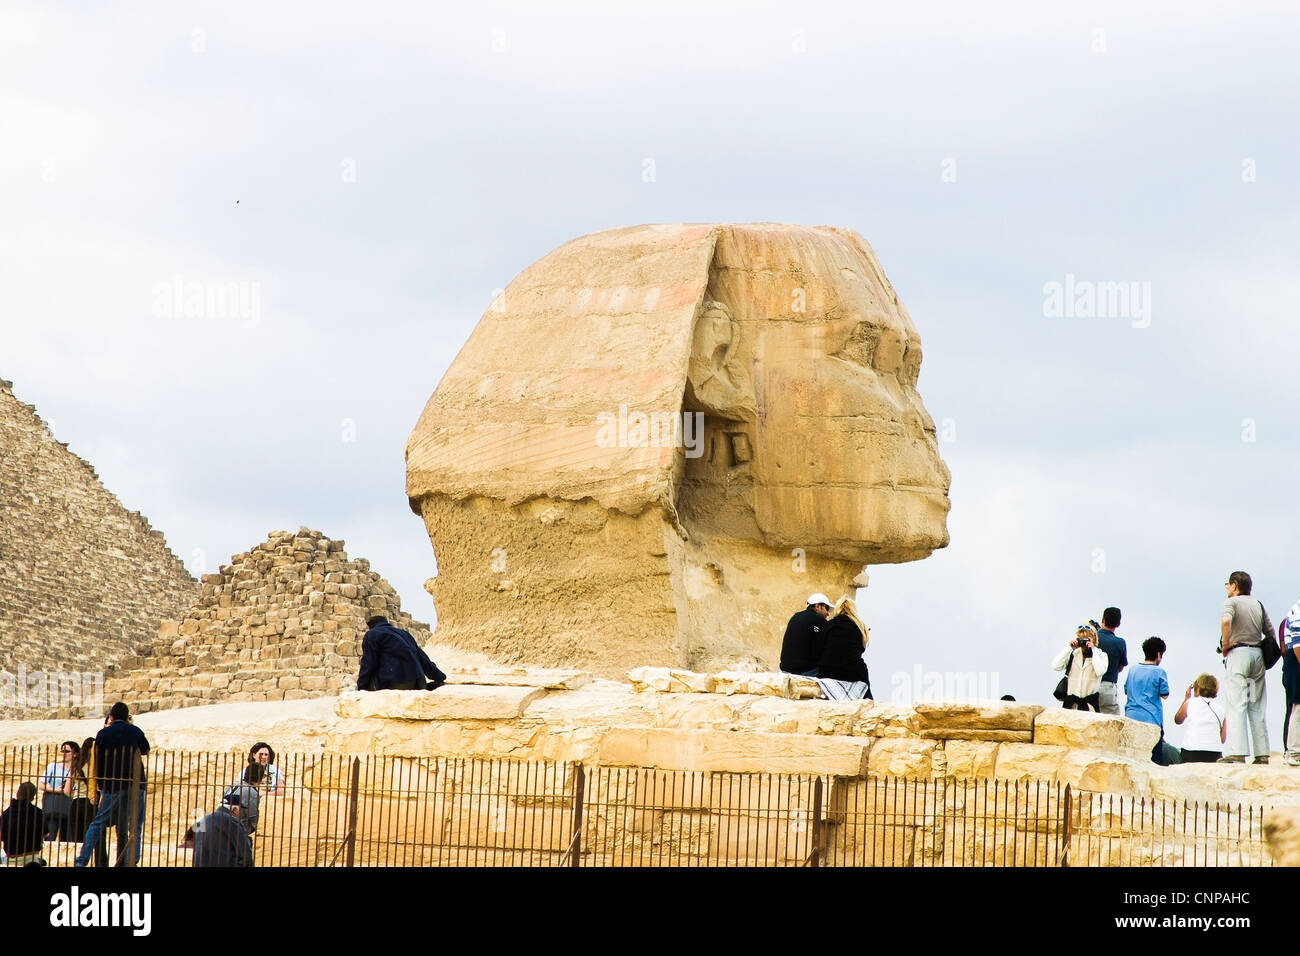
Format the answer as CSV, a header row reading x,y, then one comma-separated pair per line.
x,y
119,772
1145,689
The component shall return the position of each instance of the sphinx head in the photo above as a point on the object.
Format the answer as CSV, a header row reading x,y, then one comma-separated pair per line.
x,y
789,368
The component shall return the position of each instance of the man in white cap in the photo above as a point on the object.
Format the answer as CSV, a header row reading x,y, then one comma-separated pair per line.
x,y
802,646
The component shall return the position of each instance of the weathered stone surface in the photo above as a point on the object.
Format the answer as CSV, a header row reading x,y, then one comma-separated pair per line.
x,y
902,757
886,720
735,751
449,702
1104,732
1104,772
552,471
668,680
977,733
1018,761
767,684
970,758
551,679
84,583
1282,831
979,715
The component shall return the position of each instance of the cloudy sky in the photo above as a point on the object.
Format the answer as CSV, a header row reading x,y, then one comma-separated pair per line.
x,y
366,175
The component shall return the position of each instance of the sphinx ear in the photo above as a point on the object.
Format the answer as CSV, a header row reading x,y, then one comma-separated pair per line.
x,y
715,378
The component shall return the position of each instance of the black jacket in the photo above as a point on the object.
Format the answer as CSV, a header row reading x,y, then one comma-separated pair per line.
x,y
221,840
118,748
842,654
391,658
802,646
22,828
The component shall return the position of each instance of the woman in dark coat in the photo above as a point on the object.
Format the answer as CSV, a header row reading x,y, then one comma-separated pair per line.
x,y
846,639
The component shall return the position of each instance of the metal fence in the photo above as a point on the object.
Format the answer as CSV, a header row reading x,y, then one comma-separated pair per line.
x,y
337,810
1111,830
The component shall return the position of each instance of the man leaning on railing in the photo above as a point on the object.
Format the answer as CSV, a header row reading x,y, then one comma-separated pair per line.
x,y
220,838
119,771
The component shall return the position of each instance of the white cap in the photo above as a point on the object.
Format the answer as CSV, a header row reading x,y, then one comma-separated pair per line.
x,y
819,598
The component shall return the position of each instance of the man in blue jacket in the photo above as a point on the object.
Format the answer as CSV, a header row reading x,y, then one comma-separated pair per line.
x,y
391,660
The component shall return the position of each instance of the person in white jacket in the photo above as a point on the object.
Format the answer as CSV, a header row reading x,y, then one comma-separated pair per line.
x,y
1084,664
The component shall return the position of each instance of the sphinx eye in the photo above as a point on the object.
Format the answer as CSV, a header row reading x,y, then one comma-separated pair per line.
x,y
861,347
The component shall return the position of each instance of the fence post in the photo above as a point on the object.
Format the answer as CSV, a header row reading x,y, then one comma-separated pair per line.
x,y
1065,843
352,811
814,857
579,794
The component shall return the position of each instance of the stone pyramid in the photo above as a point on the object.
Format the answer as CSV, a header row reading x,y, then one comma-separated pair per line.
x,y
282,621
83,581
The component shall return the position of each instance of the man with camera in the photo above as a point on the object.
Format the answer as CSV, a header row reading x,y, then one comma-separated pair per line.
x,y
1242,627
1084,664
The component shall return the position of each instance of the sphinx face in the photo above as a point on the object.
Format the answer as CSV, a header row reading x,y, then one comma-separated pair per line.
x,y
822,429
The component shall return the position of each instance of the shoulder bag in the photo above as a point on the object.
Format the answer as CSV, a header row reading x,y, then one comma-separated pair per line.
x,y
1062,688
1269,647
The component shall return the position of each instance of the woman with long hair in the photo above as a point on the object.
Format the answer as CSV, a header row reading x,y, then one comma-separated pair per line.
x,y
262,754
90,790
841,670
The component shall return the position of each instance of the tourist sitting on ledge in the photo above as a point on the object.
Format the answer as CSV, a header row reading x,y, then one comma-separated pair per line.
x,y
841,671
391,660
805,636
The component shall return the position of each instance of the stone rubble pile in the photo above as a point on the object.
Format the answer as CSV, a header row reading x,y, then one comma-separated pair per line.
x,y
282,621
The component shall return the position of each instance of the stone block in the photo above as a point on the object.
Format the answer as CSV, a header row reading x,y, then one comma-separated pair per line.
x,y
767,684
549,678
975,720
736,751
1101,732
901,757
449,702
971,758
1103,772
1019,761
668,680
885,720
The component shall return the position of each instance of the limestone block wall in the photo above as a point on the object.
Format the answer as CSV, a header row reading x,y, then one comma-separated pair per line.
x,y
282,621
83,581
